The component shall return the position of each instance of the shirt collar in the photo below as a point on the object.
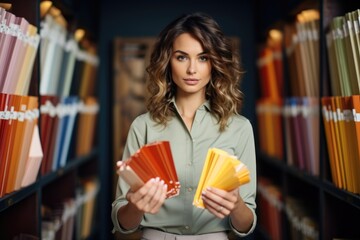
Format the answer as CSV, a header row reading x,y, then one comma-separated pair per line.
x,y
205,105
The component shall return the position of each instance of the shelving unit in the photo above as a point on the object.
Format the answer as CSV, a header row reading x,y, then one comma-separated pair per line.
x,y
333,210
16,197
22,212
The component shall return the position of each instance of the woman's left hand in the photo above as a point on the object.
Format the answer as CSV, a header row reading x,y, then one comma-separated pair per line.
x,y
220,202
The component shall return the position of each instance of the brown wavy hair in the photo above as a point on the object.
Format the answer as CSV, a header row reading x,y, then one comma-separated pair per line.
x,y
223,90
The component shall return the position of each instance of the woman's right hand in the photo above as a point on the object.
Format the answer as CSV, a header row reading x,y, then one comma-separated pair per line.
x,y
150,197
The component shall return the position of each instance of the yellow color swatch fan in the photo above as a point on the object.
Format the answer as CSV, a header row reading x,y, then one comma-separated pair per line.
x,y
222,171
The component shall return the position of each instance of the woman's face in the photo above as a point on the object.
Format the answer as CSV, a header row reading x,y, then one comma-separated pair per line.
x,y
190,65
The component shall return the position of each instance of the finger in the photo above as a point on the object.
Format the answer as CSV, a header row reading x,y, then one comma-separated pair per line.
x,y
230,196
215,197
214,208
218,206
155,197
141,192
159,198
151,191
119,166
224,198
218,202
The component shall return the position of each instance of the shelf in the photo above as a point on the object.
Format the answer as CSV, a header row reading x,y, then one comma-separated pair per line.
x,y
71,165
348,197
291,170
278,163
328,187
17,196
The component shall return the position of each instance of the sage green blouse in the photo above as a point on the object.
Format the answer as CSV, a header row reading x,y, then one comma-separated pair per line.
x,y
189,149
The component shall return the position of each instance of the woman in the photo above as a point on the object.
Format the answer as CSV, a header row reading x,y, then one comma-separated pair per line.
x,y
194,77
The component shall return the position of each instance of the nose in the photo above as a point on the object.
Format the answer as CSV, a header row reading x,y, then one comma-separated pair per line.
x,y
192,68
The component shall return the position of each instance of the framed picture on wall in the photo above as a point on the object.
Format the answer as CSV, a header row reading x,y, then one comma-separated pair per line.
x,y
131,57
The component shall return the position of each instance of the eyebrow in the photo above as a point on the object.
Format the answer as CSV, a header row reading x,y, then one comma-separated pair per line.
x,y
184,53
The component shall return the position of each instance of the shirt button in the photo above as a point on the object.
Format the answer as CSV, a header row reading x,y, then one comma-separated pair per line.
x,y
189,189
187,227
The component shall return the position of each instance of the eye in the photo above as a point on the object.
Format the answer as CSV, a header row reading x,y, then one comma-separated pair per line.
x,y
181,58
203,58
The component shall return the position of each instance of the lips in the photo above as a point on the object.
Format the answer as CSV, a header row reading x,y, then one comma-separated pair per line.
x,y
191,81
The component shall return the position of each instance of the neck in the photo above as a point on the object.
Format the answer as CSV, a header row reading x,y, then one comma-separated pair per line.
x,y
187,106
